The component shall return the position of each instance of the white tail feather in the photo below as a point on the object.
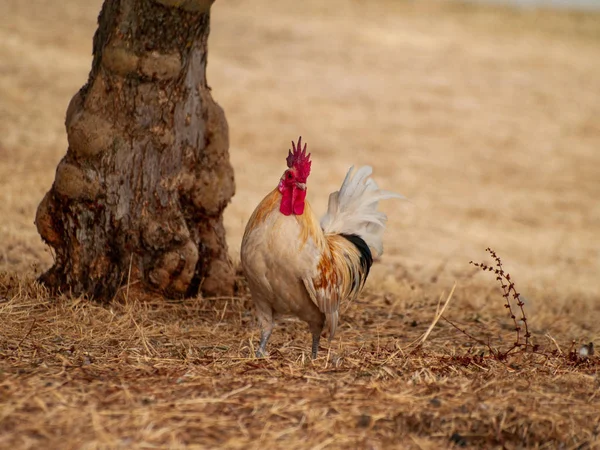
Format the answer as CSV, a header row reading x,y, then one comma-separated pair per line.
x,y
353,209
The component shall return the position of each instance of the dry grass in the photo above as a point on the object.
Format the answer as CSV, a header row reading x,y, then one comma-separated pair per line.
x,y
150,374
487,118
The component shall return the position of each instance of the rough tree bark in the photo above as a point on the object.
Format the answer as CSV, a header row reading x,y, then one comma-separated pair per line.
x,y
146,176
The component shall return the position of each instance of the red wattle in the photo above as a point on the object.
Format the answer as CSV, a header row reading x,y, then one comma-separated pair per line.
x,y
298,203
286,203
292,201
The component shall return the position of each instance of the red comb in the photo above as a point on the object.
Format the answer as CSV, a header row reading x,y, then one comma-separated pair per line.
x,y
299,160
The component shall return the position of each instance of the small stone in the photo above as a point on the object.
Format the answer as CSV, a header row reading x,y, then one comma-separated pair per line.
x,y
364,420
459,440
585,351
435,402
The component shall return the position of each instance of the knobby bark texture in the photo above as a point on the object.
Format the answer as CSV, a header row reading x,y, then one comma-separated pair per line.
x,y
140,193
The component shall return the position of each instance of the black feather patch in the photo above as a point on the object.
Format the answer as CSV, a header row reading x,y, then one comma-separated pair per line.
x,y
366,258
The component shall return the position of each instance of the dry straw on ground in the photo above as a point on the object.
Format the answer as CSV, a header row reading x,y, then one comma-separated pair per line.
x,y
486,118
144,373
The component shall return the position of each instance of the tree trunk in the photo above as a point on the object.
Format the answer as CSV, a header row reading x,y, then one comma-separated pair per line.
x,y
140,194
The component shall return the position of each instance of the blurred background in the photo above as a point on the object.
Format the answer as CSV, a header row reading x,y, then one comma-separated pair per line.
x,y
486,116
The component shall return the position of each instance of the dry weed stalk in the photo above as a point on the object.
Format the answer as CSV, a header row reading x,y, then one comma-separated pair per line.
x,y
510,294
508,291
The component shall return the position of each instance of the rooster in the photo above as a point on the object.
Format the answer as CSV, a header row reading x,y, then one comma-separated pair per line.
x,y
297,266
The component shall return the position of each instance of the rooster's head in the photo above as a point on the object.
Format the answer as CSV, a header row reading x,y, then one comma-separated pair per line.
x,y
293,181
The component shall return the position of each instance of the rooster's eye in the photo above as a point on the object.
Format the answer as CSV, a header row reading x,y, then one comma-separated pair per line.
x,y
289,175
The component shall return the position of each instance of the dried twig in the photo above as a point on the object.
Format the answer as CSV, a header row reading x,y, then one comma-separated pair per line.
x,y
439,312
470,336
508,291
26,336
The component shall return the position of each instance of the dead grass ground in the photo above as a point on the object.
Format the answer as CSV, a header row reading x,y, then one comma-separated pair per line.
x,y
152,374
487,118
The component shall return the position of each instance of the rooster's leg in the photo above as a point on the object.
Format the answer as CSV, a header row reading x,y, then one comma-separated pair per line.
x,y
315,344
265,319
264,338
316,328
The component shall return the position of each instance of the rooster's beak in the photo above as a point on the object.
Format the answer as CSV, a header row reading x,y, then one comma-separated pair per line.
x,y
301,186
